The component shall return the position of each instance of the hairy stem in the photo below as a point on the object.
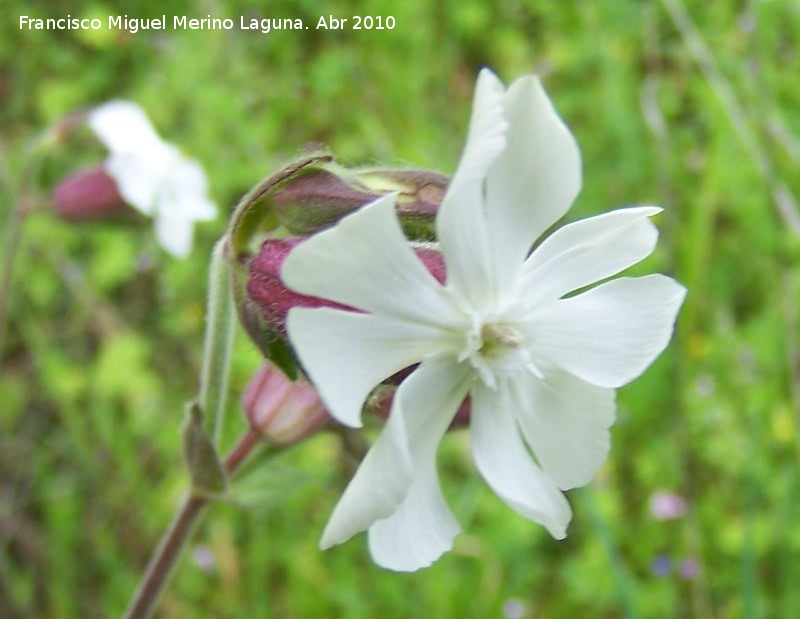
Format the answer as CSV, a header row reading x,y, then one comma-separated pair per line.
x,y
179,532
220,320
213,399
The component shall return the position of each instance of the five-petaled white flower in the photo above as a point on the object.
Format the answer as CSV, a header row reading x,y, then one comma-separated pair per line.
x,y
152,175
540,365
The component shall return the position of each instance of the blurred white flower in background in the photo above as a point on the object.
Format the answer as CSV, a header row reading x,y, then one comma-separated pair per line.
x,y
152,175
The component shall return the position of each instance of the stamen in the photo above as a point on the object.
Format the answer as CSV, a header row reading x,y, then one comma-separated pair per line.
x,y
502,334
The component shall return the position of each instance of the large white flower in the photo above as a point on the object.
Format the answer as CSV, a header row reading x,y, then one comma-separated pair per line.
x,y
540,366
152,175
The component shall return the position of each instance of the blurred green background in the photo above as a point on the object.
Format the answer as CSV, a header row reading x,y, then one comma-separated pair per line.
x,y
688,104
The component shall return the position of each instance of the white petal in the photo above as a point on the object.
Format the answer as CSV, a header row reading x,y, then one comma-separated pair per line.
x,y
610,334
185,191
174,233
123,127
397,480
137,180
365,261
152,175
535,179
486,137
347,354
461,222
422,528
378,487
506,465
587,251
181,200
565,422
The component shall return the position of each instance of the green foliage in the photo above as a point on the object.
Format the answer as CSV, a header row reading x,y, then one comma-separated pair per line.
x,y
104,331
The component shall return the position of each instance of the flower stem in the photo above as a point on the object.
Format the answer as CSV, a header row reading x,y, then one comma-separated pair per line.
x,y
180,530
165,557
240,452
212,401
218,340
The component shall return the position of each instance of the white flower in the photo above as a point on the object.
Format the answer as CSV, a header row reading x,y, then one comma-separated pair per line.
x,y
153,176
540,366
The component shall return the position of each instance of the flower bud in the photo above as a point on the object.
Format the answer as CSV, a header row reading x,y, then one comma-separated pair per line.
x,y
314,193
281,410
304,197
269,297
89,194
326,192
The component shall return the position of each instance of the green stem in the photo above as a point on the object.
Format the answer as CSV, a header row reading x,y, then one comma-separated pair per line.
x,y
179,532
212,401
218,341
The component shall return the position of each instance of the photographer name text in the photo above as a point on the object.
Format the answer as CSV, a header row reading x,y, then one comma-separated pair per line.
x,y
183,22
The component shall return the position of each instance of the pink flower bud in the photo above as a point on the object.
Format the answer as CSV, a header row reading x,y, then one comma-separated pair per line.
x,y
268,295
314,192
89,194
322,194
281,410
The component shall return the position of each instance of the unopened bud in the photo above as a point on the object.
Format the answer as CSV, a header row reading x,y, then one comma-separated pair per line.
x,y
326,192
315,192
269,298
89,194
281,410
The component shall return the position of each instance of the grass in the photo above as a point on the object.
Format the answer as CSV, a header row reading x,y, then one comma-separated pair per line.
x,y
686,104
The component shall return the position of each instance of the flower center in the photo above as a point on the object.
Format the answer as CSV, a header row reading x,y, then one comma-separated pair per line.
x,y
500,335
496,350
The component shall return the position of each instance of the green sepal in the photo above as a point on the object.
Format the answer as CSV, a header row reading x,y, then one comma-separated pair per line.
x,y
253,214
272,345
206,473
281,354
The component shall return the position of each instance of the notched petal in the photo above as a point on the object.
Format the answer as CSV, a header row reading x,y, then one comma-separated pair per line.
x,y
609,335
379,486
565,422
587,251
508,468
364,261
346,354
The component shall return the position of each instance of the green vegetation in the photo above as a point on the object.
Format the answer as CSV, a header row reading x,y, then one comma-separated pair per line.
x,y
691,105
